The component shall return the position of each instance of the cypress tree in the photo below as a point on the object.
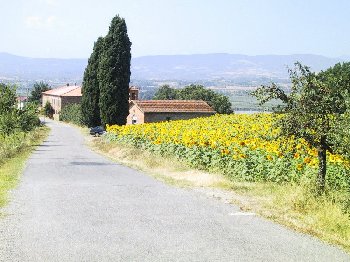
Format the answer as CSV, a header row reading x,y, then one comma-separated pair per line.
x,y
114,74
90,91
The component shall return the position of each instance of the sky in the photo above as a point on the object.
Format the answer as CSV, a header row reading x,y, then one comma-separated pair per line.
x,y
68,28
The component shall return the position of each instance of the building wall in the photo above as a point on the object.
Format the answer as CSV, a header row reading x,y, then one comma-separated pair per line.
x,y
58,102
55,102
153,117
137,114
160,117
66,100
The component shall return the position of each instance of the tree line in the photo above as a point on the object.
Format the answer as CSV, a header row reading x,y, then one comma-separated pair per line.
x,y
220,103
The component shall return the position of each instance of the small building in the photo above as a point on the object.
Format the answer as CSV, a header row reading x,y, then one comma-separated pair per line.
x,y
150,111
62,96
21,101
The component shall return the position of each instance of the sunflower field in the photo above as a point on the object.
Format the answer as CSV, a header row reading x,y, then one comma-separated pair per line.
x,y
242,147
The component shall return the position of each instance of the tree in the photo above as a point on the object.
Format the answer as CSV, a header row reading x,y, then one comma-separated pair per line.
x,y
90,91
312,108
114,74
7,98
165,92
220,103
38,88
11,118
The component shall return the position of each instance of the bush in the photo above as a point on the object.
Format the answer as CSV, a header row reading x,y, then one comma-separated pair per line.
x,y
72,113
14,120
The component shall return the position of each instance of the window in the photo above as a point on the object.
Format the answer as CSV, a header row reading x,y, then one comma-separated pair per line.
x,y
134,120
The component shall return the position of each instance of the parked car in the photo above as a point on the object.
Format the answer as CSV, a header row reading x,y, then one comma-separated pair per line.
x,y
97,131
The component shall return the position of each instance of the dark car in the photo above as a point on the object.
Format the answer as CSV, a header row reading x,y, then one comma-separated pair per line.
x,y
97,131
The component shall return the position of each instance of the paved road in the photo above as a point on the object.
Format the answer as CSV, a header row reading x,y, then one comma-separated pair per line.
x,y
75,205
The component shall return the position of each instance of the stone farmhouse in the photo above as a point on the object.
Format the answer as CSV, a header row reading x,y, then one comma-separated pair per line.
x,y
149,111
62,96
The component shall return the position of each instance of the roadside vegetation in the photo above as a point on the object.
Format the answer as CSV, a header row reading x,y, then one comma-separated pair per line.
x,y
72,114
12,165
19,131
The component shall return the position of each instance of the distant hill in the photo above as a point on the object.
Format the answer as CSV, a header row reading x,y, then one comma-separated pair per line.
x,y
167,67
223,66
13,66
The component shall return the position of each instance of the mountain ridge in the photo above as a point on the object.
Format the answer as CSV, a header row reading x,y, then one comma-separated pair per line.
x,y
165,67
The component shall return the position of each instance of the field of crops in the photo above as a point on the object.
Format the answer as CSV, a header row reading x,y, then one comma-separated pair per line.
x,y
243,147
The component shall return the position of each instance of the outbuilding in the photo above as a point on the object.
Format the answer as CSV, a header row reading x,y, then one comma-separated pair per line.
x,y
150,111
62,96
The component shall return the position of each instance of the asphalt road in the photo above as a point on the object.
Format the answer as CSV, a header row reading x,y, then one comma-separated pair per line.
x,y
75,205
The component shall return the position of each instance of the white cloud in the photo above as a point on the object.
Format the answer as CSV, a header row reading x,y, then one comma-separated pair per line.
x,y
38,22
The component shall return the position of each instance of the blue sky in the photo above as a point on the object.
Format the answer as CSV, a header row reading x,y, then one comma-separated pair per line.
x,y
68,28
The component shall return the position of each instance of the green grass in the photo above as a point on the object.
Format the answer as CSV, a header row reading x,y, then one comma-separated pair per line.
x,y
296,206
12,167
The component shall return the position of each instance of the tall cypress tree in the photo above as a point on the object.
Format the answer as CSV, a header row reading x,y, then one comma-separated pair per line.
x,y
114,74
91,92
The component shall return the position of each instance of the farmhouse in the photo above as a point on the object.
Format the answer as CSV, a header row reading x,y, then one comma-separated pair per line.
x,y
62,96
149,111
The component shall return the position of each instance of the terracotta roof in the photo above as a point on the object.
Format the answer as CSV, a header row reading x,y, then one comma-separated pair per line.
x,y
64,91
173,106
22,98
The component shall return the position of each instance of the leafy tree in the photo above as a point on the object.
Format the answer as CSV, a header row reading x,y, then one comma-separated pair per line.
x,y
28,117
91,92
114,74
11,118
312,108
7,98
220,103
165,92
38,88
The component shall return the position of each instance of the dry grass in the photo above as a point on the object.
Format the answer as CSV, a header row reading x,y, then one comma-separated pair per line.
x,y
166,169
292,205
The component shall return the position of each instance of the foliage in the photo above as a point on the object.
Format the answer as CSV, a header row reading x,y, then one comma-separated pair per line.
x,y
114,74
90,91
38,88
72,113
165,92
220,103
28,117
7,98
312,109
12,119
48,110
243,147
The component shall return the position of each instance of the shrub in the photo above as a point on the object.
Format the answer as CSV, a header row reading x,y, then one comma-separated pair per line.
x,y
72,113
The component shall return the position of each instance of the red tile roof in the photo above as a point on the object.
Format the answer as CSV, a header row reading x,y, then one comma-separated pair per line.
x,y
22,98
182,106
64,91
